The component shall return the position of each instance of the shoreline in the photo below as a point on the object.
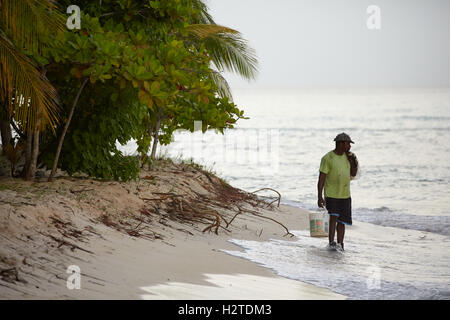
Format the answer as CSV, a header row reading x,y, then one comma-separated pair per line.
x,y
227,277
125,252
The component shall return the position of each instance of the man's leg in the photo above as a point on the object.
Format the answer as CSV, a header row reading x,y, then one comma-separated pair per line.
x,y
332,228
340,232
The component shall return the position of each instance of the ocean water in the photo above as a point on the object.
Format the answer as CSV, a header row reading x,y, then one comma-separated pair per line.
x,y
398,247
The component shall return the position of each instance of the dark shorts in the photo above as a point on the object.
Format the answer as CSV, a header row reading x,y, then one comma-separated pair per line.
x,y
342,208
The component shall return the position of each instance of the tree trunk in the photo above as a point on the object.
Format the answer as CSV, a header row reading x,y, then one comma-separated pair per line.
x,y
5,162
156,135
31,171
144,156
63,134
6,134
28,150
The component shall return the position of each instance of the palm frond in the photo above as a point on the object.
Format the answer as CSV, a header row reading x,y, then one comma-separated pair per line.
x,y
25,21
23,87
222,85
202,31
228,50
231,52
205,17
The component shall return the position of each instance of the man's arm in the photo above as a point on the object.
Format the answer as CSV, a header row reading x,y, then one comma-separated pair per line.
x,y
320,184
353,167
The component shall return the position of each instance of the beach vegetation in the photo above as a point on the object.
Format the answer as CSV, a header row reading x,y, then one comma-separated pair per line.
x,y
133,70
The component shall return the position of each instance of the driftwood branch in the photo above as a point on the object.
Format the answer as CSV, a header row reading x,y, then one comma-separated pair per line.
x,y
261,216
279,195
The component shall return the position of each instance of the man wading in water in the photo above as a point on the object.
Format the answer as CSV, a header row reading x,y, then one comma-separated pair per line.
x,y
336,168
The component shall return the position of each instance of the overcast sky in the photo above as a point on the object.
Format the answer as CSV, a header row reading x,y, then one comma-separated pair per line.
x,y
327,42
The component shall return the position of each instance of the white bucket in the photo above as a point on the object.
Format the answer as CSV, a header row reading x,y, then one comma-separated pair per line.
x,y
318,224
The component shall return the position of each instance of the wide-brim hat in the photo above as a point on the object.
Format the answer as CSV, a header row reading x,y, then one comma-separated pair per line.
x,y
343,137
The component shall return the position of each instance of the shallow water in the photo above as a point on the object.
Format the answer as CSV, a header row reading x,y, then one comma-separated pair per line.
x,y
378,262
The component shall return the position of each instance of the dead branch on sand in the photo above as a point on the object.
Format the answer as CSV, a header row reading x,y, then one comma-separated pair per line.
x,y
279,195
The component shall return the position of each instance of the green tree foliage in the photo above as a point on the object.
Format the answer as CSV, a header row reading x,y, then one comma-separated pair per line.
x,y
90,147
149,74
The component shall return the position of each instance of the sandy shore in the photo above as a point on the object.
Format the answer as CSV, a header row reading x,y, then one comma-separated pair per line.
x,y
99,227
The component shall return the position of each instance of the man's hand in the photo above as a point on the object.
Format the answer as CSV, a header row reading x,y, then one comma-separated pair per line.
x,y
320,202
351,157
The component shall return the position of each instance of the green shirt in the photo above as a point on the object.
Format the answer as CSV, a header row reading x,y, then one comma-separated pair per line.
x,y
337,169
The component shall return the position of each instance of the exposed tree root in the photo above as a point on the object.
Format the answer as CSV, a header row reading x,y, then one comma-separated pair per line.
x,y
204,209
216,210
279,195
261,216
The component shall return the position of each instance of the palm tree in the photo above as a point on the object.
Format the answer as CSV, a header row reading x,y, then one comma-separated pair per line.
x,y
25,93
229,51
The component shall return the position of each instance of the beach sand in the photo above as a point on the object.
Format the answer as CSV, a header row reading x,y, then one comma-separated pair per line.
x,y
47,227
